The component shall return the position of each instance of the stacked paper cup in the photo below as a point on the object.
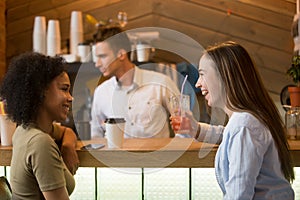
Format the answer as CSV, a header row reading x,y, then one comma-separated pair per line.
x,y
143,52
7,127
39,34
53,38
76,31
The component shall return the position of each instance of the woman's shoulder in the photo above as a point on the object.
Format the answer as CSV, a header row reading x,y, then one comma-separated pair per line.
x,y
33,140
35,135
244,119
245,122
41,139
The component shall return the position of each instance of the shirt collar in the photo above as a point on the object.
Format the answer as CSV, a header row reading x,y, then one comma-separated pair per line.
x,y
137,80
138,76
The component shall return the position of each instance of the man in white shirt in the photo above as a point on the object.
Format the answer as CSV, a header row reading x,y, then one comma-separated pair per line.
x,y
140,96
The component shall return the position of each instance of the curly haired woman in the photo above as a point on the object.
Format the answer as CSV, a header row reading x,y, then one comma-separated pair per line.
x,y
36,91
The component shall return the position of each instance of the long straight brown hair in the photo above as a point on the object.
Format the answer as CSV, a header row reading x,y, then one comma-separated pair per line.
x,y
245,91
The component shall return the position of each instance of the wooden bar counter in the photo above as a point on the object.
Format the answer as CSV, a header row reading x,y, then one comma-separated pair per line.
x,y
150,153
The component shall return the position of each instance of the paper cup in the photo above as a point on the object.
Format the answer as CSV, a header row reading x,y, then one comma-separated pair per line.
x,y
76,31
76,21
94,55
143,52
84,52
53,38
7,129
115,132
39,24
39,34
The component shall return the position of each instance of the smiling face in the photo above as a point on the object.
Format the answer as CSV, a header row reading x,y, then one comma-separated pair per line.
x,y
57,100
107,61
210,83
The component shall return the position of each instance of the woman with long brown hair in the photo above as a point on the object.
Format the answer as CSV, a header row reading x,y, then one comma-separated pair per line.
x,y
253,161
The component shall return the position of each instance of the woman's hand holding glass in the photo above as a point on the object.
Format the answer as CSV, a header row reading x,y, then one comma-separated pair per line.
x,y
179,105
187,123
182,120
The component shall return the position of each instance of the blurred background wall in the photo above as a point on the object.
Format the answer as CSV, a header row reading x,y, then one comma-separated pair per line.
x,y
262,26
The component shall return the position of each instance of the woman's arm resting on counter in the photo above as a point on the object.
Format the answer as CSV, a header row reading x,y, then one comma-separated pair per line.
x,y
66,139
209,133
68,149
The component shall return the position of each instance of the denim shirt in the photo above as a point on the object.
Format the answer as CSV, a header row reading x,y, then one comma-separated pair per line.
x,y
247,164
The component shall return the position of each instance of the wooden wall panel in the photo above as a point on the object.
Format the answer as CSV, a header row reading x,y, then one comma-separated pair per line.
x,y
262,26
17,44
276,80
231,25
22,28
61,13
263,55
270,61
2,40
284,7
12,3
33,7
253,12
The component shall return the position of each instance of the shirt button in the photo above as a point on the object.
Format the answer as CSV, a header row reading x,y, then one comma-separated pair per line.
x,y
132,123
129,107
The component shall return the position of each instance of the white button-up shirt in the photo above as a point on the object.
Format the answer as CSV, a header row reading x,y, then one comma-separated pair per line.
x,y
144,104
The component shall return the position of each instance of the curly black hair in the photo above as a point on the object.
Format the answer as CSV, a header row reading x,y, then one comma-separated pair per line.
x,y
25,82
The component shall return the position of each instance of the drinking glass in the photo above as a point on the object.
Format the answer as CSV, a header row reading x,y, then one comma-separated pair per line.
x,y
179,106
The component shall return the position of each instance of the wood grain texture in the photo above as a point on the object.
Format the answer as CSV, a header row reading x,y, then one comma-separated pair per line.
x,y
254,13
152,152
2,40
262,26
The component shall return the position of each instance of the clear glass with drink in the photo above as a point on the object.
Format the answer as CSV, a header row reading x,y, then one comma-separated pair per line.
x,y
179,106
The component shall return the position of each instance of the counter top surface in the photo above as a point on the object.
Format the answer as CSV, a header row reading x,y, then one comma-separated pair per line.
x,y
150,152
153,144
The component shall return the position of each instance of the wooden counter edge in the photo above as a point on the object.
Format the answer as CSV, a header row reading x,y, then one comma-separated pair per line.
x,y
189,159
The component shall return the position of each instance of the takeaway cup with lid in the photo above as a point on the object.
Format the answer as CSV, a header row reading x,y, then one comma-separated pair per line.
x,y
115,132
